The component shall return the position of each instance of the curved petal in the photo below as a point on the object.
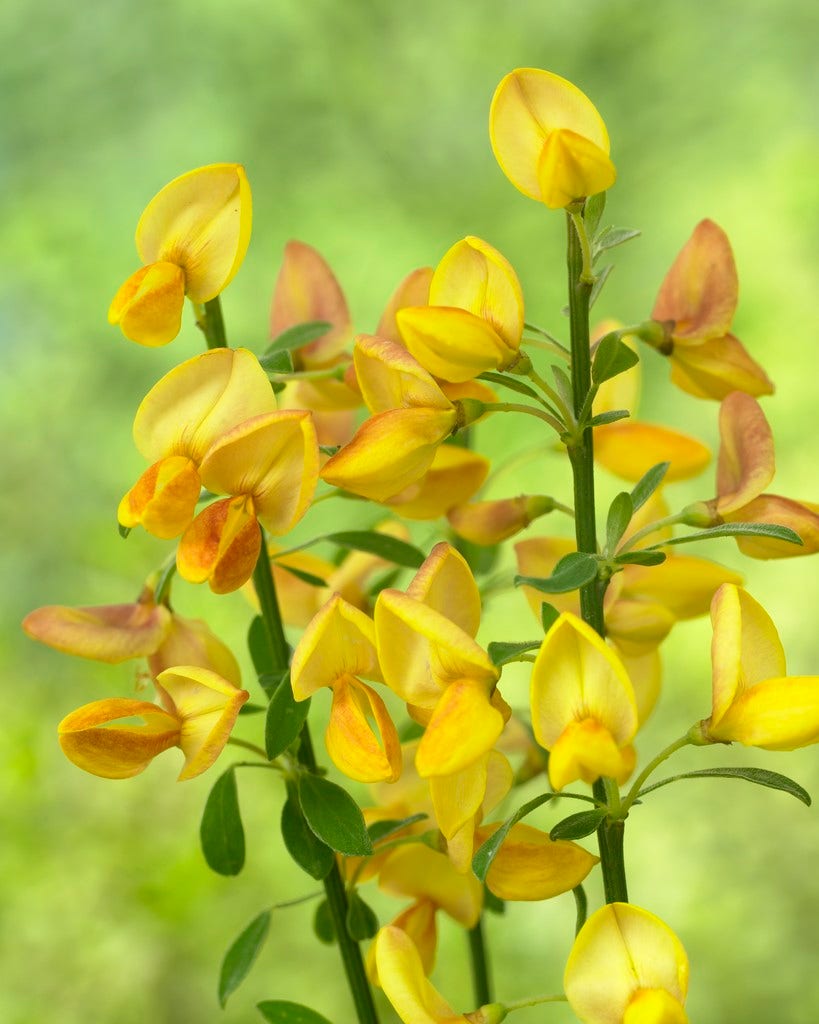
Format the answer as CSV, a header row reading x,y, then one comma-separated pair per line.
x,y
458,797
352,743
110,633
416,872
717,367
454,475
163,500
531,866
776,714
338,642
221,545
464,726
629,449
684,584
802,517
452,343
587,750
746,462
445,582
148,307
390,378
490,522
570,167
412,291
402,978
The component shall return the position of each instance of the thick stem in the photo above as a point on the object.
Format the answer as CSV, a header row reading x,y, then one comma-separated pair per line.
x,y
209,319
581,454
333,884
481,982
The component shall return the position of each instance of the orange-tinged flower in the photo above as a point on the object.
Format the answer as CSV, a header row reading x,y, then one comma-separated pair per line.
x,y
412,291
754,701
178,421
417,872
336,649
583,707
454,475
549,139
627,967
192,238
490,522
200,710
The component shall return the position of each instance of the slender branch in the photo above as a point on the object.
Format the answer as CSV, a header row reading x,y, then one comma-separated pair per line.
x,y
209,320
650,768
481,981
530,409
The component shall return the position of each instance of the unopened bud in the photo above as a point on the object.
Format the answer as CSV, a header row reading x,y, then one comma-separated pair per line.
x,y
491,1013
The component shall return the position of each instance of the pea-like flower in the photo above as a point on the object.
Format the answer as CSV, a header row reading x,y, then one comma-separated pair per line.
x,y
191,238
549,138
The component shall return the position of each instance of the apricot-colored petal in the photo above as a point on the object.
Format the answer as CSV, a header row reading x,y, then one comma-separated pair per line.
x,y
445,582
402,978
717,367
684,584
201,222
390,451
390,378
621,949
221,545
473,275
338,642
802,517
148,307
415,871
110,633
746,462
531,866
576,676
198,401
307,289
454,475
116,751
463,727
361,738
570,166
490,522
452,343
699,292
191,642
629,449
412,291
527,105
163,500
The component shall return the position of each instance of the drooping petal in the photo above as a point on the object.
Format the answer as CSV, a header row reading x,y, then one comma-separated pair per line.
x,y
490,522
339,641
464,726
362,752
800,516
390,378
531,866
110,633
163,500
684,584
418,872
700,291
571,167
111,751
716,367
402,978
191,642
746,462
629,449
454,475
620,950
457,797
445,582
412,291
148,306
201,222
452,343
221,545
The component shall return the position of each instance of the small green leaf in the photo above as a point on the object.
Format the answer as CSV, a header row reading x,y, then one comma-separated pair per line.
x,y
571,572
501,653
280,1011
241,956
548,616
648,484
300,574
620,512
611,358
251,709
487,852
297,336
323,924
600,280
610,238
593,212
123,530
513,383
277,362
382,829
329,449
759,776
612,416
258,643
361,921
221,833
641,558
734,530
563,385
310,853
576,826
381,544
285,717
334,816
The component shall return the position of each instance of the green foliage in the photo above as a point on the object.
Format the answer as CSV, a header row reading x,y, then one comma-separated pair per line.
x,y
572,571
285,718
577,826
242,954
759,776
279,1011
333,816
362,921
381,544
296,336
306,849
221,833
620,512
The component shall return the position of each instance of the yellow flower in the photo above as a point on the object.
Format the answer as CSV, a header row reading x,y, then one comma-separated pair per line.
x,y
490,522
454,475
200,710
549,139
627,967
401,974
192,238
754,701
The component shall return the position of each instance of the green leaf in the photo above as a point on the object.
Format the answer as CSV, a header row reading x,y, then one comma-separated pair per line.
x,y
277,362
329,449
611,358
620,512
548,616
734,530
323,924
487,852
300,574
285,717
593,212
759,776
513,383
641,558
563,385
361,921
310,853
382,829
612,416
221,833
258,643
297,336
600,280
571,572
123,530
576,826
610,238
334,816
501,653
241,956
648,484
280,1011
251,709
381,544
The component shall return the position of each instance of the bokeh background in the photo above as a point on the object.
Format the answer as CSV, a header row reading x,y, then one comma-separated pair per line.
x,y
363,129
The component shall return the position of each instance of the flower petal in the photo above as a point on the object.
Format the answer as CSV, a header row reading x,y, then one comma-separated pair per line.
x,y
412,291
401,975
339,641
628,449
445,582
531,866
415,871
464,726
163,500
110,633
454,475
746,462
802,517
717,367
390,378
452,343
352,743
570,166
148,307
221,545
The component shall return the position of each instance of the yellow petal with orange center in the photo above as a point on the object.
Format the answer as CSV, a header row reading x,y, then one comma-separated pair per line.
x,y
746,462
531,866
390,378
716,367
148,306
110,633
629,449
221,545
164,498
92,740
464,726
339,642
570,167
201,222
452,343
454,475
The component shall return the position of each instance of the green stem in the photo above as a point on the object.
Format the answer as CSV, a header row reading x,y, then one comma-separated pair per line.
x,y
481,983
530,409
646,531
582,905
333,884
209,320
650,768
581,455
521,1004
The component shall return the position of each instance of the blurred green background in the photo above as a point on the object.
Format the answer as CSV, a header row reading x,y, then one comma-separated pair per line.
x,y
363,130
